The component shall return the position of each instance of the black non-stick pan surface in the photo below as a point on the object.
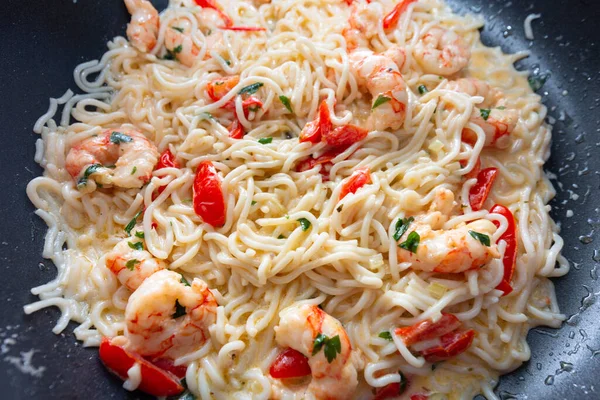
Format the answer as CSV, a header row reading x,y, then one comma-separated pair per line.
x,y
42,41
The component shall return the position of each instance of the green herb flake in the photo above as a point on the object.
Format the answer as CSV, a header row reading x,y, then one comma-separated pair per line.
x,y
484,239
177,49
252,202
333,347
304,223
118,138
169,56
130,265
422,89
501,108
178,29
132,223
206,115
280,237
227,62
133,170
485,113
401,227
340,208
411,243
318,343
179,310
380,100
265,140
286,102
537,82
403,382
184,281
251,89
386,335
88,171
136,245
139,234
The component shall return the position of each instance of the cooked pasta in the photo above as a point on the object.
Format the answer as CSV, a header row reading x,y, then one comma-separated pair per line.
x,y
231,167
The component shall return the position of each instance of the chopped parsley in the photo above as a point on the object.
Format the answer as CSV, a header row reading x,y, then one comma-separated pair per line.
x,y
252,202
386,335
169,56
118,138
304,223
280,237
537,82
254,108
251,89
484,239
401,227
139,234
265,140
178,29
501,108
133,170
130,265
88,171
422,89
380,100
485,113
411,243
177,49
179,310
132,223
331,346
136,245
339,209
206,115
286,102
184,281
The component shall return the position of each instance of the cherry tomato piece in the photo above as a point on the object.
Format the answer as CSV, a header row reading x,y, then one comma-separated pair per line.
x,y
290,364
510,252
345,136
358,179
427,330
209,203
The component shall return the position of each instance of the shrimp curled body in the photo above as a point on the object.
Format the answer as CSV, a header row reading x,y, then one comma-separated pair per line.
x,y
166,318
298,328
130,265
123,158
441,51
142,30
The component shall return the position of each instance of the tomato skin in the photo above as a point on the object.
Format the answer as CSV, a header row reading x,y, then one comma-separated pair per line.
x,y
167,160
326,157
168,365
345,136
391,19
390,391
251,102
217,88
236,130
419,397
209,203
290,364
452,344
475,171
510,253
244,28
358,179
480,191
426,330
315,130
154,380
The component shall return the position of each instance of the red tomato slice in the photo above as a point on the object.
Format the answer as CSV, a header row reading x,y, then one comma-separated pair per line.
x,y
480,191
427,330
345,136
166,364
510,253
155,381
236,130
314,130
358,179
452,344
474,172
290,364
251,102
214,6
209,203
419,397
167,160
390,391
217,88
326,157
392,18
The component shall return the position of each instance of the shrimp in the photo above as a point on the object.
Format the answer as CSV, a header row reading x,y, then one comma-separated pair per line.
x,y
308,330
123,158
441,51
380,74
362,26
130,264
142,31
179,40
495,119
166,317
446,251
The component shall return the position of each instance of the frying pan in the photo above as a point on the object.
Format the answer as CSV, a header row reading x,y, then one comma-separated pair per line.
x,y
41,43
